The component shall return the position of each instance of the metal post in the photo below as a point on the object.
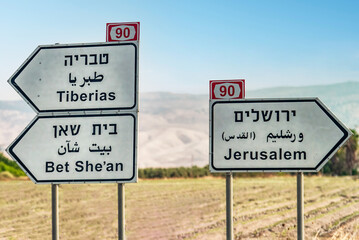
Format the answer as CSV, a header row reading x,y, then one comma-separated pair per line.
x,y
229,205
121,211
55,211
300,206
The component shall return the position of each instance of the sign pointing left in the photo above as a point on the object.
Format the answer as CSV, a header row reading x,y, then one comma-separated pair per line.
x,y
81,148
86,100
80,77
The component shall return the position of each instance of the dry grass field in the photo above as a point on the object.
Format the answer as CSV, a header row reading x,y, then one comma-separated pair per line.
x,y
264,208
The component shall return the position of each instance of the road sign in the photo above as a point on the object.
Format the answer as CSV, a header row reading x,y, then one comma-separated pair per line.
x,y
227,89
125,31
79,77
78,149
273,135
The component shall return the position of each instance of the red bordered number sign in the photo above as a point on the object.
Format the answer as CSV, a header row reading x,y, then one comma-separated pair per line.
x,y
226,89
118,32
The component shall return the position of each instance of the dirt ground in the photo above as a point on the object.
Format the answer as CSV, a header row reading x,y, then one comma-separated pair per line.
x,y
264,208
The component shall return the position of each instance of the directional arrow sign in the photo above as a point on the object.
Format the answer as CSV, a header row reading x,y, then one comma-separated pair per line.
x,y
99,76
72,149
273,135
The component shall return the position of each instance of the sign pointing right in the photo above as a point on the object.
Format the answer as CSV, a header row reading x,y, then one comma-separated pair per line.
x,y
273,135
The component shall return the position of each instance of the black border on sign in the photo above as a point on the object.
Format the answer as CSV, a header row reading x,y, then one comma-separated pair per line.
x,y
12,153
344,131
28,99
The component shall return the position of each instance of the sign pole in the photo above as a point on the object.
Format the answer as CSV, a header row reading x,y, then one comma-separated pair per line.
x,y
300,206
121,211
224,90
266,122
229,205
55,211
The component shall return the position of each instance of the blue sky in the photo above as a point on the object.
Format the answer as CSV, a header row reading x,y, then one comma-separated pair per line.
x,y
184,44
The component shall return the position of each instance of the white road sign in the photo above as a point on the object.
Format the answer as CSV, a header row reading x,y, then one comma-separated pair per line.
x,y
76,77
78,149
273,135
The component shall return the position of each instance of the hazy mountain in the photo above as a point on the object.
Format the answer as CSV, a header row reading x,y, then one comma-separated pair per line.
x,y
342,99
14,116
173,128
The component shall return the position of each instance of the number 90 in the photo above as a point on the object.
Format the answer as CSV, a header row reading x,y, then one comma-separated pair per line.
x,y
227,91
125,32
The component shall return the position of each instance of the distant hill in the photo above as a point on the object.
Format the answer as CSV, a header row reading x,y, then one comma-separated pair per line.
x,y
20,106
10,167
173,128
14,116
342,98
